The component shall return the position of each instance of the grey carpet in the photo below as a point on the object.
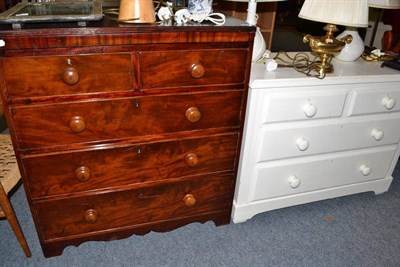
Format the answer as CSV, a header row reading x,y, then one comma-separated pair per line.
x,y
365,231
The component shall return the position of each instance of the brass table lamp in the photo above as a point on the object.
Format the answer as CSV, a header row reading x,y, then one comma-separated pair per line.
x,y
352,13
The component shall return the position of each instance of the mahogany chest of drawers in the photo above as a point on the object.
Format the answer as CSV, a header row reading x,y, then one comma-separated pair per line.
x,y
125,130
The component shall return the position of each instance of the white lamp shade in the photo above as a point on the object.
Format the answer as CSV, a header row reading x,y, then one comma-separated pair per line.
x,y
385,4
352,13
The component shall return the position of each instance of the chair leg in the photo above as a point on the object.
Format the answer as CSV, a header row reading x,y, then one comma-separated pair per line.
x,y
12,219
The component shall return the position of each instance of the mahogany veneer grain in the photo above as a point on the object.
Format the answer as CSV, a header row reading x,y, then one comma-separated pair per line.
x,y
122,130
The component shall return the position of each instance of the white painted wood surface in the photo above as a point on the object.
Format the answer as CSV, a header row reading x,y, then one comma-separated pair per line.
x,y
307,139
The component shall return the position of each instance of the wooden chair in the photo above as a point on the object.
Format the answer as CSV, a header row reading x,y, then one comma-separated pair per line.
x,y
9,177
389,43
391,39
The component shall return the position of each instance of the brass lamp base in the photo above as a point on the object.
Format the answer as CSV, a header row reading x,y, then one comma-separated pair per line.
x,y
325,48
323,65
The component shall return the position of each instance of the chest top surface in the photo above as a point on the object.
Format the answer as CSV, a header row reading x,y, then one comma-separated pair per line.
x,y
345,72
108,32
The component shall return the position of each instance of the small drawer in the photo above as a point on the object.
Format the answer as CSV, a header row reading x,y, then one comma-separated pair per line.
x,y
80,122
302,139
144,205
173,69
303,105
91,170
382,98
317,173
66,75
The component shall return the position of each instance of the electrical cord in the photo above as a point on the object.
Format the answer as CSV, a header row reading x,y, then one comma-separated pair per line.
x,y
301,62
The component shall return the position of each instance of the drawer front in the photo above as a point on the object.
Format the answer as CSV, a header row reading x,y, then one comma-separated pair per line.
x,y
192,68
317,173
301,139
89,170
376,100
123,118
65,75
304,105
73,216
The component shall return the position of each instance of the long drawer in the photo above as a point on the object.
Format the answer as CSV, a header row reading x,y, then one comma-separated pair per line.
x,y
297,176
163,69
98,169
79,122
65,75
118,209
302,139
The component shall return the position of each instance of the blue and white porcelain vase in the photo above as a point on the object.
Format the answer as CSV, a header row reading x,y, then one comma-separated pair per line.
x,y
200,6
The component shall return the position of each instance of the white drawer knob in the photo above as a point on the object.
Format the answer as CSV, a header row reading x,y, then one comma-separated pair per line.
x,y
302,144
388,102
2,43
293,181
377,134
310,110
365,170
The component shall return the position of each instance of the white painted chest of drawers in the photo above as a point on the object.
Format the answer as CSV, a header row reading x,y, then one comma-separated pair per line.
x,y
308,139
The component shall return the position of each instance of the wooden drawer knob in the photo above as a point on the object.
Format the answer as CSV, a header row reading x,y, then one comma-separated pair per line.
x,y
82,173
189,200
302,144
197,70
388,102
70,75
193,114
310,110
77,124
191,160
377,134
91,216
365,170
293,181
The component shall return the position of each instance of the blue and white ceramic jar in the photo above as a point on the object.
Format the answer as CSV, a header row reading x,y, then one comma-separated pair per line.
x,y
200,6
